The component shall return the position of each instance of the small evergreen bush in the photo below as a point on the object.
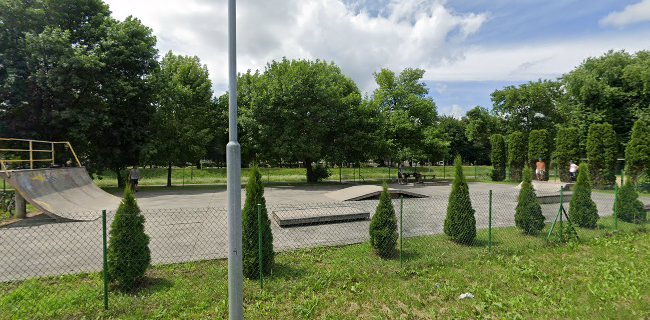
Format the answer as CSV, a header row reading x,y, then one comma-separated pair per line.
x,y
128,248
250,233
637,152
517,154
582,209
539,147
321,172
629,207
528,214
601,153
383,227
498,157
460,223
567,149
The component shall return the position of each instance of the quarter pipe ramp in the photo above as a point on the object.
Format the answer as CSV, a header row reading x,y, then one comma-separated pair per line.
x,y
62,193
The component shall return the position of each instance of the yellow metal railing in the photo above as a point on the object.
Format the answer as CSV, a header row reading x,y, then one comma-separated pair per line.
x,y
32,151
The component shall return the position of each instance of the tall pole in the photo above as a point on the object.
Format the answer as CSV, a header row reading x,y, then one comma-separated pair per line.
x,y
233,162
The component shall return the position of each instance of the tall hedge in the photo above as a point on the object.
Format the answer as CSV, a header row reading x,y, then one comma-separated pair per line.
x,y
460,223
628,206
637,152
383,227
517,154
540,147
128,246
498,157
582,209
601,153
528,214
567,149
250,235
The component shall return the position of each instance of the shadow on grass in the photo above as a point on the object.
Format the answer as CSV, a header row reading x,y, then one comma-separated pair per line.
x,y
287,271
147,286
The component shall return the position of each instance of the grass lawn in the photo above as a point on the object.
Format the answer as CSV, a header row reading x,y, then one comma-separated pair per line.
x,y
606,276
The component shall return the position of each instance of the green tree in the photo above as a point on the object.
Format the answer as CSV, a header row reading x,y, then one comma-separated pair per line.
x,y
539,147
128,248
129,52
250,235
628,206
383,226
637,151
517,154
601,153
567,149
612,88
582,209
296,109
528,213
460,223
408,112
455,136
182,122
530,106
498,157
479,126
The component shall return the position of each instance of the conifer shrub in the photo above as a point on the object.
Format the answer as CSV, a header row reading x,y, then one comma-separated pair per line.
x,y
528,214
539,147
128,248
601,153
582,209
250,232
498,157
517,154
628,206
567,149
383,226
460,223
637,151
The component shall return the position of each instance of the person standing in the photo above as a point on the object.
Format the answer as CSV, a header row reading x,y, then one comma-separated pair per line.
x,y
134,178
573,171
400,176
540,169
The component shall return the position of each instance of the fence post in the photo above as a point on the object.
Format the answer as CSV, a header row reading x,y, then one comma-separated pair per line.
x,y
401,229
616,207
259,241
105,260
490,222
31,155
444,173
561,213
475,172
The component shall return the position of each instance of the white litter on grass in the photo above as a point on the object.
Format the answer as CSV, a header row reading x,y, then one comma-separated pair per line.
x,y
466,295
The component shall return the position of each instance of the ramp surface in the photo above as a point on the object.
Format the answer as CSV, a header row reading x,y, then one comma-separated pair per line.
x,y
62,193
286,218
367,192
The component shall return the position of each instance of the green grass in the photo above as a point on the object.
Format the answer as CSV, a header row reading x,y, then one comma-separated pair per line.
x,y
606,276
189,176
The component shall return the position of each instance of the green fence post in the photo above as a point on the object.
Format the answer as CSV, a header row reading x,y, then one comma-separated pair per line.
x,y
388,172
616,207
105,260
259,241
444,173
340,173
561,205
490,222
556,172
268,175
183,176
475,172
401,229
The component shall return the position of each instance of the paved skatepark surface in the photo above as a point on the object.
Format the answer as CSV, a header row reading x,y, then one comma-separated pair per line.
x,y
191,225
62,193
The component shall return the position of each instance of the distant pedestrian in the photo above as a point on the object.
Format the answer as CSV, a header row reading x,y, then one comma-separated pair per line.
x,y
134,177
540,170
573,171
400,176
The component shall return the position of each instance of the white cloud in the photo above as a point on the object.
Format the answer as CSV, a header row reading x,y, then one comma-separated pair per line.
x,y
454,110
409,33
634,13
524,62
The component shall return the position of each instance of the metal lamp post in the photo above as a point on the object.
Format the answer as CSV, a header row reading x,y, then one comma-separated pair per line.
x,y
233,163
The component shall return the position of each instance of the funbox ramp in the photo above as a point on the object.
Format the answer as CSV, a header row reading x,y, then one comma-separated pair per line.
x,y
62,193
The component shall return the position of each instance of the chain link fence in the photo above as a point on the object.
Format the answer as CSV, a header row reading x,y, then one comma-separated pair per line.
x,y
44,247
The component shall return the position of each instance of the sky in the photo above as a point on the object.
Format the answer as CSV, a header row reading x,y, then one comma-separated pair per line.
x,y
468,48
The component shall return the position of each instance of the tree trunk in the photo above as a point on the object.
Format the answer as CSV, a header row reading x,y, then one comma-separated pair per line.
x,y
120,180
311,178
169,175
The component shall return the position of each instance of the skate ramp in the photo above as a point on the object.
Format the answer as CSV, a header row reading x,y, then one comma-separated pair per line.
x,y
62,193
368,192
